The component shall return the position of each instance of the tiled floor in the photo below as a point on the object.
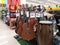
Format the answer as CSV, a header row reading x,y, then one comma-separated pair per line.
x,y
7,35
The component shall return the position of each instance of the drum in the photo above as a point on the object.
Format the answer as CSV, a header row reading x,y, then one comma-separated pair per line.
x,y
45,33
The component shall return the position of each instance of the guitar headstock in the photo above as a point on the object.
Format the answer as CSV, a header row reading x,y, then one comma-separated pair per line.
x,y
31,7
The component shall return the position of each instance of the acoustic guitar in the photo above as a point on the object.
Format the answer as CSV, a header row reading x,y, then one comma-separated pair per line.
x,y
32,21
28,33
20,29
17,24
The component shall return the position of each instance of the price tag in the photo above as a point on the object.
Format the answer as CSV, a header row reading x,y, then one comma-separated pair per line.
x,y
32,14
22,13
27,13
37,14
41,14
17,14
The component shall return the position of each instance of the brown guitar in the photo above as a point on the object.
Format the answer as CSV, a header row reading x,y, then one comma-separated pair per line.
x,y
20,29
32,21
28,33
17,24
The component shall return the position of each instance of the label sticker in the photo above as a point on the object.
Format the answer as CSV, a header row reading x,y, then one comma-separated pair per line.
x,y
32,14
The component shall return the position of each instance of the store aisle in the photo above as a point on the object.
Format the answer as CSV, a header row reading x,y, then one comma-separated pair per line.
x,y
7,35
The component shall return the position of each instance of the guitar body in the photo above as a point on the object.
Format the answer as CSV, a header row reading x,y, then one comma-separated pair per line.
x,y
28,33
20,29
17,25
32,21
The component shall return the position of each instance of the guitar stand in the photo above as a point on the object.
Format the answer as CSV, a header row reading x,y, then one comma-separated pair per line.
x,y
16,36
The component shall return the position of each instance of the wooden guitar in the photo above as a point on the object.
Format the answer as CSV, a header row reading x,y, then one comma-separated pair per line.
x,y
28,33
17,24
19,27
32,21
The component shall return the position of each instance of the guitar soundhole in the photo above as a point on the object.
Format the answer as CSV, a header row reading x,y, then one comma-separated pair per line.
x,y
28,28
28,33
